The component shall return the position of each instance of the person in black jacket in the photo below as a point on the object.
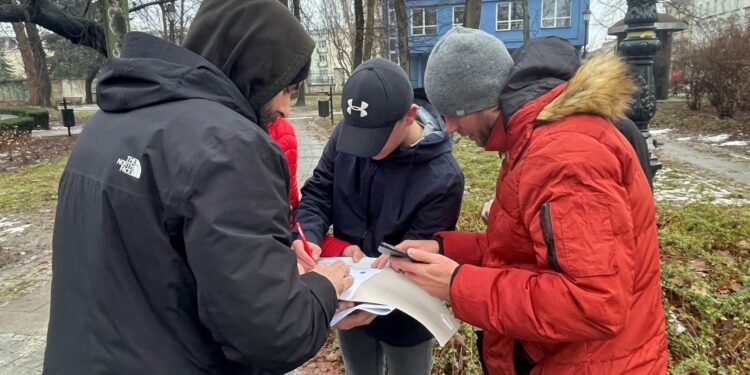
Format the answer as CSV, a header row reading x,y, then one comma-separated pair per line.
x,y
387,174
171,249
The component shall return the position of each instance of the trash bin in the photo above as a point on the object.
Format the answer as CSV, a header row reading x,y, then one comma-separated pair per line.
x,y
323,109
69,119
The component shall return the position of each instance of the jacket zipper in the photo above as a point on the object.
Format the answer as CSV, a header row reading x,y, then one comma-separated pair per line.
x,y
545,219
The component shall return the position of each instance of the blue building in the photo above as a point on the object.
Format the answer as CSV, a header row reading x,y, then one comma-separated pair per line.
x,y
431,19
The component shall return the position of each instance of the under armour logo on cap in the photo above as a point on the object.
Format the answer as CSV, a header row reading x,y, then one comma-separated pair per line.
x,y
361,109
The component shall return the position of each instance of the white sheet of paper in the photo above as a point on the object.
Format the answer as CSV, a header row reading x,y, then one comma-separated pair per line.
x,y
369,307
361,272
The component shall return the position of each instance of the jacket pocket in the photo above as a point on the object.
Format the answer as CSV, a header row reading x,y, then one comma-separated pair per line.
x,y
522,361
545,219
579,237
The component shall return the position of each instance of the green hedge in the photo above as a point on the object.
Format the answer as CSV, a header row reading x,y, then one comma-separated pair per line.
x,y
40,116
21,124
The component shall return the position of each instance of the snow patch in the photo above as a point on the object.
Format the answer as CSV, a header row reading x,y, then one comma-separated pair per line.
x,y
734,143
17,230
11,227
715,138
659,131
684,138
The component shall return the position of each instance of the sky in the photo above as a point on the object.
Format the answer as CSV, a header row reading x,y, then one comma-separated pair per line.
x,y
604,14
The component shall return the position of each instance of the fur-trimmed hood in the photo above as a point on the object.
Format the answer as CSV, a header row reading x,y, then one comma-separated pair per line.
x,y
601,85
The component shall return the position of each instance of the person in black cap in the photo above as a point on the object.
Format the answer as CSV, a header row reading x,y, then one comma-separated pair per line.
x,y
387,174
171,250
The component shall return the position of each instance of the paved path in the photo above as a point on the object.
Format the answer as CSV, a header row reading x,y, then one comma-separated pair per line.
x,y
23,322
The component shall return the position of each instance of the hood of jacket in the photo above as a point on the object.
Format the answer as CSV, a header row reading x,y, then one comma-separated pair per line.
x,y
258,44
435,140
541,89
153,71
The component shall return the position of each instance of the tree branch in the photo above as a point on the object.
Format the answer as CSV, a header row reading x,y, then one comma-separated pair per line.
x,y
78,30
146,5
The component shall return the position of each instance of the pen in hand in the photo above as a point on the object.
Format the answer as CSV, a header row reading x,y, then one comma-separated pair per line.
x,y
304,240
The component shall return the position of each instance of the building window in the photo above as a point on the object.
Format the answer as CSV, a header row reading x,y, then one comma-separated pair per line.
x,y
458,15
424,21
556,13
322,45
322,60
509,16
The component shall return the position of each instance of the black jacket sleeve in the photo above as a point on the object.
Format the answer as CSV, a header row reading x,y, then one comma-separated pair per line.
x,y
315,209
250,296
635,138
441,208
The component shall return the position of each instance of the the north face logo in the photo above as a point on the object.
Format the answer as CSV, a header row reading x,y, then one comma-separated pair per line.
x,y
131,167
361,108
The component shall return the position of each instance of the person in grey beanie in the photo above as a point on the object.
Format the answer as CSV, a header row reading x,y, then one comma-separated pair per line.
x,y
565,280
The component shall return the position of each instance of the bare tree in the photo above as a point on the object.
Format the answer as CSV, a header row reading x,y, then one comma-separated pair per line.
x,y
301,91
76,28
359,26
402,25
369,30
34,63
331,18
472,13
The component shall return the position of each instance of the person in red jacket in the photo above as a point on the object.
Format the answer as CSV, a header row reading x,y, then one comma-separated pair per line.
x,y
566,278
282,131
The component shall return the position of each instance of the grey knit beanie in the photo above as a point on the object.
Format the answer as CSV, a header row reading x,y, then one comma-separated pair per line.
x,y
466,71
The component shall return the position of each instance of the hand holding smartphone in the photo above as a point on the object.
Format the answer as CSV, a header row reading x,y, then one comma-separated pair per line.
x,y
388,249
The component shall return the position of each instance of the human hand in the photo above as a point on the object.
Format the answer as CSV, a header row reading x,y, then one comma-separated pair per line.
x,y
307,262
355,319
300,268
486,210
338,274
381,262
430,246
433,272
354,252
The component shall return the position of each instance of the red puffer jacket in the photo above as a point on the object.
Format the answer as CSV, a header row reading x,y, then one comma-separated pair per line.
x,y
283,133
566,278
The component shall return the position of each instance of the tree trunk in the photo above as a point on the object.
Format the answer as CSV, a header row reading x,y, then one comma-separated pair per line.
x,y
399,6
359,26
472,13
526,26
90,75
40,65
369,30
115,19
29,65
301,91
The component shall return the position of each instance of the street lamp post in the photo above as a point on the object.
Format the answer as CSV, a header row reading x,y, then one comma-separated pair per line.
x,y
171,14
639,47
586,19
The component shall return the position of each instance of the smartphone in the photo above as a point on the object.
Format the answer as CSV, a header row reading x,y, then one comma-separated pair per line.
x,y
386,248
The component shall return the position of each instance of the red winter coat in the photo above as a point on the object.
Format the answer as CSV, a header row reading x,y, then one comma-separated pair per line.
x,y
566,278
283,133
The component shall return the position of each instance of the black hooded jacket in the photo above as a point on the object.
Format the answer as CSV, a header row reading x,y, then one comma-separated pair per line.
x,y
171,243
411,194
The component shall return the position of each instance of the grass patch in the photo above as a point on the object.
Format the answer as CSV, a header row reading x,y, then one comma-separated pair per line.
x,y
31,188
705,263
677,115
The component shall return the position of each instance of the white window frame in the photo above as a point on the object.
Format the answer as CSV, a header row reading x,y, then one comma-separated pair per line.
x,y
322,60
556,19
453,16
423,27
510,20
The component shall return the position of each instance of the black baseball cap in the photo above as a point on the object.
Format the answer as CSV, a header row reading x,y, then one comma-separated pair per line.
x,y
375,97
